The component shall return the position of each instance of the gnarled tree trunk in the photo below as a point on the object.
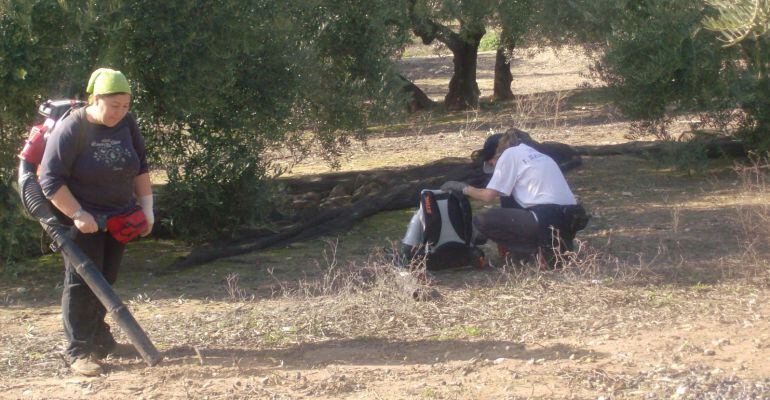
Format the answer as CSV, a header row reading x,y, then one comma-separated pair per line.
x,y
503,77
463,89
417,99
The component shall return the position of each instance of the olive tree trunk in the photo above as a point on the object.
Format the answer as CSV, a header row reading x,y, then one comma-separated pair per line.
x,y
463,89
503,77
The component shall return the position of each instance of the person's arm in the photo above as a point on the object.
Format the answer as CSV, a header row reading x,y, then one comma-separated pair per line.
x,y
142,184
67,204
55,167
483,194
486,195
143,191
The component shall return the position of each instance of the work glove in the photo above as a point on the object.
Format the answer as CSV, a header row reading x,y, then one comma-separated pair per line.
x,y
147,207
454,186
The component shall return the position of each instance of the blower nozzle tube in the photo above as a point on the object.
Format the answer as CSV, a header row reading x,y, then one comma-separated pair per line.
x,y
39,208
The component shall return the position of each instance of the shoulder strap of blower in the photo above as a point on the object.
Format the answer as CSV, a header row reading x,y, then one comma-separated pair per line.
x,y
81,143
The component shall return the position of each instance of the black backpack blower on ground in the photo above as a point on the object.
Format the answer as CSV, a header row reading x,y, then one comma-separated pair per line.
x,y
441,232
40,209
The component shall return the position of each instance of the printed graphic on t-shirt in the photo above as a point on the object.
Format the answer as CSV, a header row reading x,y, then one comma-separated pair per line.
x,y
111,153
535,156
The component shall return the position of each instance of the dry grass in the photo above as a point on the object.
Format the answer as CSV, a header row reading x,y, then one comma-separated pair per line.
x,y
754,216
613,322
367,300
354,314
540,110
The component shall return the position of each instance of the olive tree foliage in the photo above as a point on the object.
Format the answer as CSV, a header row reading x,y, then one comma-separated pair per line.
x,y
13,39
344,58
217,87
739,20
657,59
213,87
254,77
530,24
38,58
744,27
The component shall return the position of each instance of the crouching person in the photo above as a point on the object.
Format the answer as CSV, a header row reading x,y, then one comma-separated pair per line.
x,y
539,212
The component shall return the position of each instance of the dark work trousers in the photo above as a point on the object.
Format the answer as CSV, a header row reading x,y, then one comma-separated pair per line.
x,y
514,228
83,314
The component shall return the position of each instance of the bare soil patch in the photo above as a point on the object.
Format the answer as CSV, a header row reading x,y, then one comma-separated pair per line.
x,y
667,299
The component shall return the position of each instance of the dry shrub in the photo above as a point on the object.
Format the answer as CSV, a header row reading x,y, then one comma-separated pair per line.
x,y
584,263
540,110
510,304
376,277
380,279
372,299
587,262
421,123
753,214
369,298
472,122
233,289
657,128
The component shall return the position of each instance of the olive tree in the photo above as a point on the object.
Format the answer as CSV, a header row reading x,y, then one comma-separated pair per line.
x,y
744,26
522,23
461,24
660,57
218,86
37,57
739,20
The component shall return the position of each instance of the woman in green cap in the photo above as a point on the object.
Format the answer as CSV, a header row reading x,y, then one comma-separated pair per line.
x,y
95,168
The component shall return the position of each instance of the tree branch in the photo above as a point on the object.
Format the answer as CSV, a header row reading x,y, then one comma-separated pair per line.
x,y
429,30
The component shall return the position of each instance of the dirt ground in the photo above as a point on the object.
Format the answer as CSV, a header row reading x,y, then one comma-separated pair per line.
x,y
666,298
